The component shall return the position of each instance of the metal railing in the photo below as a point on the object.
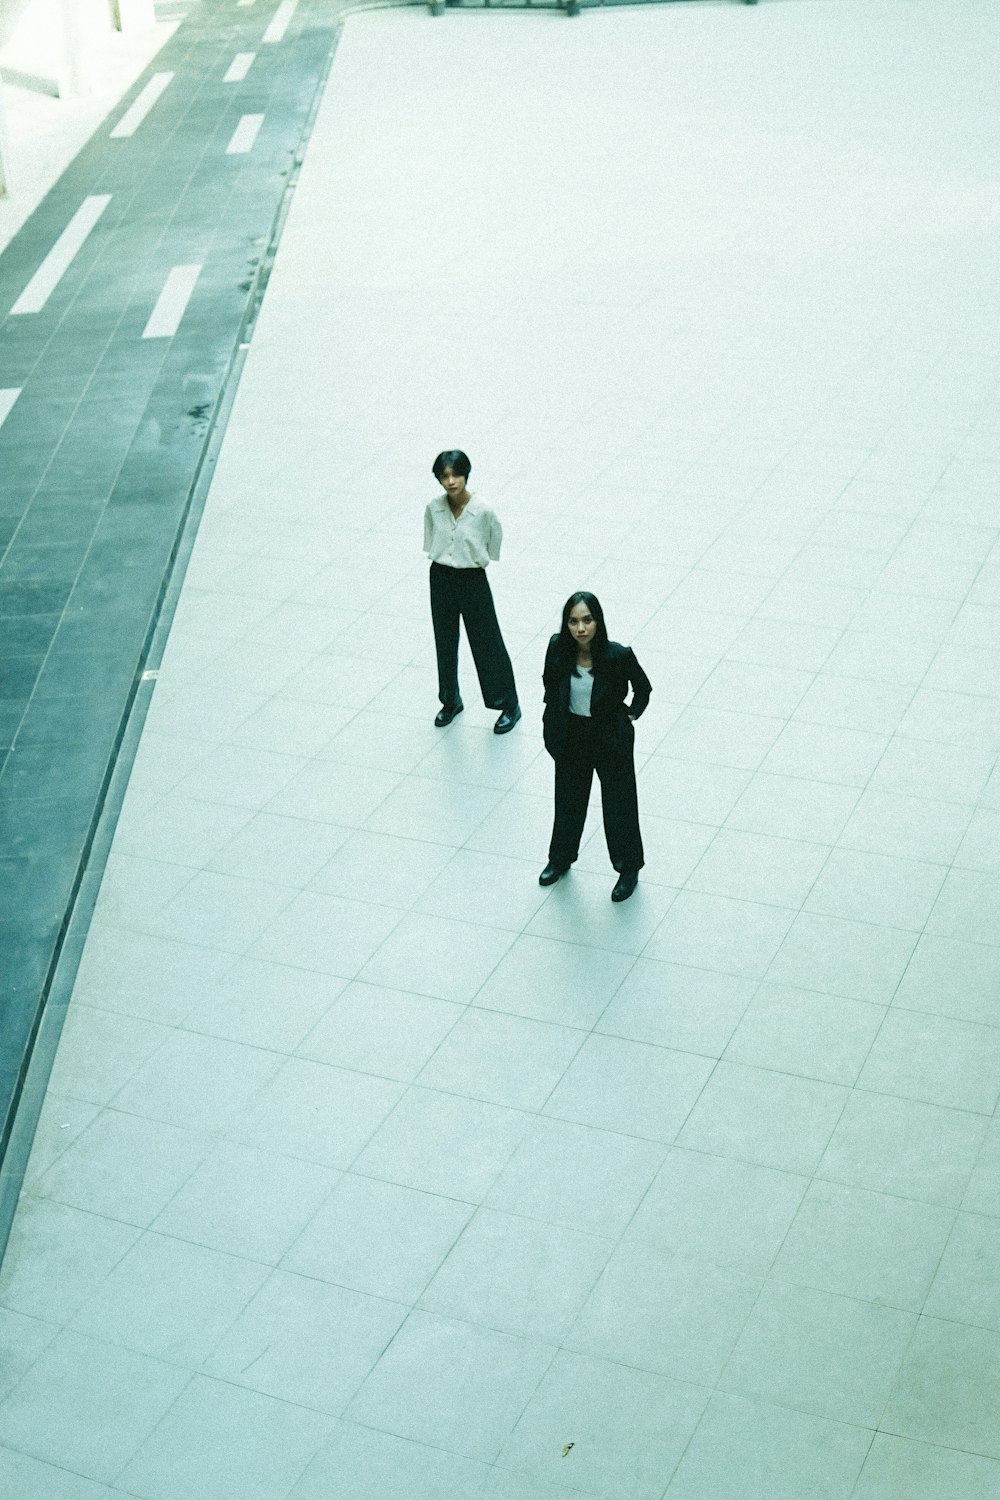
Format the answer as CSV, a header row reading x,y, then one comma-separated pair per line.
x,y
568,7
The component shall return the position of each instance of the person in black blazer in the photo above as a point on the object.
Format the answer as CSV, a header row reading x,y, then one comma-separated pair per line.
x,y
587,726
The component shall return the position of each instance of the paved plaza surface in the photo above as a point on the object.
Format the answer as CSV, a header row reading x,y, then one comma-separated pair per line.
x,y
370,1170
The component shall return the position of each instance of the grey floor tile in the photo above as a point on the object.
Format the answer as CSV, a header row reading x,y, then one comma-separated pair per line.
x,y
921,1471
327,933
330,792
239,776
714,932
874,1246
876,888
834,1357
744,686
813,1036
220,911
946,1392
475,756
632,1426
692,1010
288,726
502,1484
316,1112
247,1203
881,656
670,1314
59,1123
134,891
577,1176
968,907
722,737
30,1479
792,807
359,1463
516,823
374,1030
823,545
376,867
630,1087
306,1342
180,830
437,956
451,1385
906,827
757,867
519,1275
547,980
978,849
578,910
24,1340
983,1194
963,720
943,1061
826,752
729,1213
921,768
170,1299
56,1258
270,1006
748,1450
852,703
99,1052
379,1238
284,851
773,1119
124,1167
87,1406
154,979
904,1146
438,811
504,892
967,1285
503,1059
856,959
382,741
690,790
230,1443
197,1082
950,977
440,1143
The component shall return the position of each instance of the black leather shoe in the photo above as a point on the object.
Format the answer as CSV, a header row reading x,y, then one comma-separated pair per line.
x,y
447,714
507,720
627,882
552,873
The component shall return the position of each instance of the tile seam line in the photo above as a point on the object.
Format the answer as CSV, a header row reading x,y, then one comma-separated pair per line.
x,y
17,1130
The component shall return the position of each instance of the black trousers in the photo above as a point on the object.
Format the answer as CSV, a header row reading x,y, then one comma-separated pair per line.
x,y
588,748
464,593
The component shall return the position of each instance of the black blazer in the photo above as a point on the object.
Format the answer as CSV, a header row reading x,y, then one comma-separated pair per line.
x,y
617,672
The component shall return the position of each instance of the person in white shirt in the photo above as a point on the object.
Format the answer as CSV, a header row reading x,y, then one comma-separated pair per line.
x,y
462,535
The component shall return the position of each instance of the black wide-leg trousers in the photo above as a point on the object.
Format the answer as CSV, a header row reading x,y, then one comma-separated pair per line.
x,y
586,749
464,593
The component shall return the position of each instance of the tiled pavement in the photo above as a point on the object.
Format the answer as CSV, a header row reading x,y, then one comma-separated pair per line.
x,y
370,1169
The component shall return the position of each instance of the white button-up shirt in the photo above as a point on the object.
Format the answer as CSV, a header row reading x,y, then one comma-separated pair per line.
x,y
470,542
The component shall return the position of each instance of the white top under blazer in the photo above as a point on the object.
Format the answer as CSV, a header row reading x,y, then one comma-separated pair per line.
x,y
473,541
581,690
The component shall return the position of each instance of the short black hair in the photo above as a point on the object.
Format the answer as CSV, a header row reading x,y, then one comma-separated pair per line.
x,y
454,459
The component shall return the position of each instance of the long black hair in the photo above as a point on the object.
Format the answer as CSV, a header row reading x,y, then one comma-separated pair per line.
x,y
454,459
567,644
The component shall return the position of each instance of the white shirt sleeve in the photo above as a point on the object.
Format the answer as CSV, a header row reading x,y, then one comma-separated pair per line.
x,y
428,530
494,537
